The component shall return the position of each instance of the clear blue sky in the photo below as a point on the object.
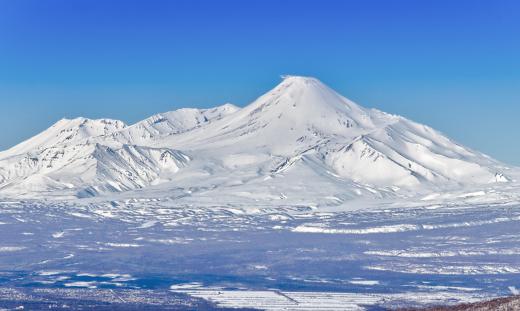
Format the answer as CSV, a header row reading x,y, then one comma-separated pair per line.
x,y
453,64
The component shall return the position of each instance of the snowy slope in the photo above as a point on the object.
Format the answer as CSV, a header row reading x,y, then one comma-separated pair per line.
x,y
299,137
88,169
171,123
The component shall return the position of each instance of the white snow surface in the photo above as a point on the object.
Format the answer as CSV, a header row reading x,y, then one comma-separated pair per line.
x,y
300,136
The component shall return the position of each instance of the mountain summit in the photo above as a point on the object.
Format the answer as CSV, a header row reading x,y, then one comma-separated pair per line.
x,y
301,131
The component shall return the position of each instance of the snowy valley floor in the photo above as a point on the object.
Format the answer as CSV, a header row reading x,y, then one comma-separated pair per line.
x,y
150,253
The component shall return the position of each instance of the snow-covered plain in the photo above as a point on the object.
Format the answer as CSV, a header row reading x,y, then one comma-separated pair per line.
x,y
402,254
302,200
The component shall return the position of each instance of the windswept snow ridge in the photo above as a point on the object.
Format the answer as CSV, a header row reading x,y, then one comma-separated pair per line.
x,y
299,131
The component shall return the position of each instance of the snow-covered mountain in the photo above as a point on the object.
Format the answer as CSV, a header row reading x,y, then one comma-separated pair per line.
x,y
301,136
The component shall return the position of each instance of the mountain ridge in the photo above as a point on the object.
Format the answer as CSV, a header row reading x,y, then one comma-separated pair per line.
x,y
301,124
